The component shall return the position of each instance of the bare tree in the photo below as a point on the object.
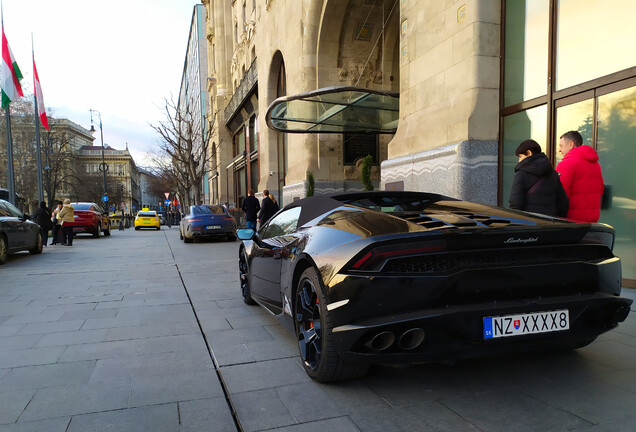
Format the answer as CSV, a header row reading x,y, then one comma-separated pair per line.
x,y
184,157
57,154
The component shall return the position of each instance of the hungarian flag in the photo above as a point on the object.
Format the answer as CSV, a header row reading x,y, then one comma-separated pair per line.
x,y
39,97
11,75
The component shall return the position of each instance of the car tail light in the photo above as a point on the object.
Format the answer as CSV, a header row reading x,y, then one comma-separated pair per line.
x,y
599,237
196,220
228,219
374,259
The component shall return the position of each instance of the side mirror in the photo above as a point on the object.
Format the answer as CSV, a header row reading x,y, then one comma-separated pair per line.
x,y
245,233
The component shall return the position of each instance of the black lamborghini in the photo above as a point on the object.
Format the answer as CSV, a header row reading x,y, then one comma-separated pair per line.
x,y
406,277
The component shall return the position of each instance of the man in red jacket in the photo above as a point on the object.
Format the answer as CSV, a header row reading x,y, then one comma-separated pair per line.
x,y
581,178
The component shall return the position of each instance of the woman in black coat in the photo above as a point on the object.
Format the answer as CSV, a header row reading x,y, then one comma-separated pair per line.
x,y
536,186
42,217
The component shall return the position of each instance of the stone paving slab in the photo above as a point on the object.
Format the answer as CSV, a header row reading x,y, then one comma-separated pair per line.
x,y
126,347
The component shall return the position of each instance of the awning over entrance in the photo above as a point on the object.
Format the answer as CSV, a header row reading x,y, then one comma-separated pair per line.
x,y
335,110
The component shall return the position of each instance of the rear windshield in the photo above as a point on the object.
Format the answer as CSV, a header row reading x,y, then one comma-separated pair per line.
x,y
83,206
146,214
200,210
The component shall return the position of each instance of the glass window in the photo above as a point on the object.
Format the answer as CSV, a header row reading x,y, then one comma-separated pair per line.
x,y
593,39
205,210
530,124
616,145
577,116
358,146
526,52
283,223
4,211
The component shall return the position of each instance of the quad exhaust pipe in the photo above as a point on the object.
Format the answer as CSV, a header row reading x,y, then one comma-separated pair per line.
x,y
408,340
411,339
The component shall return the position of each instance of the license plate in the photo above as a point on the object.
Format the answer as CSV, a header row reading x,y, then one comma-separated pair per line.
x,y
528,323
213,227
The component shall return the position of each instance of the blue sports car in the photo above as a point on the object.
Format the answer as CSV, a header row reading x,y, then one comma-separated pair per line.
x,y
207,221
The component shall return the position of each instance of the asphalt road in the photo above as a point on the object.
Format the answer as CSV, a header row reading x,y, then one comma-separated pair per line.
x,y
141,332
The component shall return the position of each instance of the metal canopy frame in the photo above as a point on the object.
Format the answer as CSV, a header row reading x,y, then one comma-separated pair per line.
x,y
336,110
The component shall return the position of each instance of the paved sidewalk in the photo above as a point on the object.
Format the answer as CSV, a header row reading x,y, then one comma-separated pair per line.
x,y
141,332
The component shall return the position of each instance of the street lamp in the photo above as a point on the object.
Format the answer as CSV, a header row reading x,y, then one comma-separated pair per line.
x,y
103,167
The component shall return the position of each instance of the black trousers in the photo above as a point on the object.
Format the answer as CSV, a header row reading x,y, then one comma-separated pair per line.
x,y
57,234
68,235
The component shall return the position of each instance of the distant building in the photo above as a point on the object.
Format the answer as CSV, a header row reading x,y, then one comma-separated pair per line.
x,y
148,198
193,94
122,174
58,145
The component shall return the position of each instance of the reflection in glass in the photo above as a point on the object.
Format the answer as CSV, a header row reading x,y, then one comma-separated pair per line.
x,y
530,124
617,154
526,55
594,39
577,116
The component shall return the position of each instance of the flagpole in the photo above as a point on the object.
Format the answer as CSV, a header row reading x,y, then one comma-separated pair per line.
x,y
7,116
37,132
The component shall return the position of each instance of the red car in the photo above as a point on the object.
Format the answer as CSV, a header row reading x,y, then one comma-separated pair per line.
x,y
90,218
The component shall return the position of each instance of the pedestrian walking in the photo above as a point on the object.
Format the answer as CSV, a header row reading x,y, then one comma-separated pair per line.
x,y
536,186
251,206
66,216
581,178
268,208
58,236
42,217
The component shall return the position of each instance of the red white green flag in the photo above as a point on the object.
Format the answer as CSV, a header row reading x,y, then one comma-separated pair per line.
x,y
11,75
39,97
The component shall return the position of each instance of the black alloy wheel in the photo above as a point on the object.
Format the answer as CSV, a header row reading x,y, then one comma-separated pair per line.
x,y
308,323
314,327
244,279
4,250
37,248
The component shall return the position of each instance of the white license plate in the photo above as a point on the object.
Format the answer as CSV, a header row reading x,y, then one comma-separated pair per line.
x,y
528,323
213,227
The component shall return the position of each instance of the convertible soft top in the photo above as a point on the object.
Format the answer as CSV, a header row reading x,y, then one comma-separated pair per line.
x,y
315,206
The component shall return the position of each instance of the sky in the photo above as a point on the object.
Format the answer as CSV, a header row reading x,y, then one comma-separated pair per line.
x,y
122,58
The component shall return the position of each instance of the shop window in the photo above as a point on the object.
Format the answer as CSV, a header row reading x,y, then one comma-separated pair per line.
x,y
529,124
526,50
617,153
593,39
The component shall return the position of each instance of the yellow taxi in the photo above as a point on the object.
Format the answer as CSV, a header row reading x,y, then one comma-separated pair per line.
x,y
147,219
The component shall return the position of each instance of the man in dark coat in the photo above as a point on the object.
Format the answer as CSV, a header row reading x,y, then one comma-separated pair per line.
x,y
42,217
268,208
536,186
251,207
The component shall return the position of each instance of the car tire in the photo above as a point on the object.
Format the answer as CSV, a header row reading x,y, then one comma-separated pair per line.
x,y
4,250
180,234
136,228
158,228
316,342
244,279
231,237
187,240
37,249
107,232
98,232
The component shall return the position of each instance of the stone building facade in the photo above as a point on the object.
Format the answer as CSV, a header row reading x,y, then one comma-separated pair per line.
x,y
475,78
122,175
